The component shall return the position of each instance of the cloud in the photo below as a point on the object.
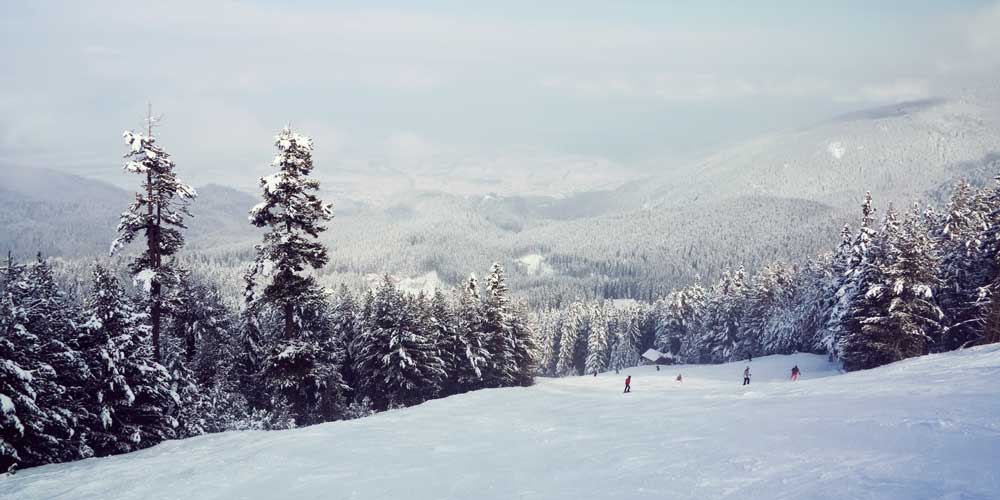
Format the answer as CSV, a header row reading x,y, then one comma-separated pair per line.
x,y
897,91
378,83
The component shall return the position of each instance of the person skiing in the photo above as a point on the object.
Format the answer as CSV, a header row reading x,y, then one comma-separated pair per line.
x,y
657,367
628,383
746,376
795,372
680,378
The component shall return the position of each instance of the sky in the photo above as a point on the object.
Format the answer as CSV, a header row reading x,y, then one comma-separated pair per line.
x,y
628,87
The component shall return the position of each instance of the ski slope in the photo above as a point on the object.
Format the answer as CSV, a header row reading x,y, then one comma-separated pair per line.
x,y
919,429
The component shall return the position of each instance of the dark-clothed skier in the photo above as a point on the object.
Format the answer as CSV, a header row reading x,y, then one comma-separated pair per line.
x,y
746,376
795,372
628,383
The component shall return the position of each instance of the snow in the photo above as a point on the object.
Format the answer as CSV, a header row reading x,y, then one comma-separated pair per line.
x,y
652,354
17,371
836,150
535,265
6,405
144,279
427,283
919,429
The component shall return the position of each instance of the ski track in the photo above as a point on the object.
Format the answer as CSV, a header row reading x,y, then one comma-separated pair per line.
x,y
926,428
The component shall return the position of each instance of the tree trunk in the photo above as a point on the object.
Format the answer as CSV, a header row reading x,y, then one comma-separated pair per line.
x,y
155,312
289,321
153,250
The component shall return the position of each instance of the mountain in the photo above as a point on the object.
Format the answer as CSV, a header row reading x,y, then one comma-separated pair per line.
x,y
921,428
900,153
784,196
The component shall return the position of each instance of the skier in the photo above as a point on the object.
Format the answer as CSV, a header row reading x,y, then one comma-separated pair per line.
x,y
628,384
746,376
595,373
680,378
657,367
795,372
750,358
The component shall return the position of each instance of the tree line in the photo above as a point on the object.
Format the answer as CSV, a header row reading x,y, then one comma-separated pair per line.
x,y
114,372
916,281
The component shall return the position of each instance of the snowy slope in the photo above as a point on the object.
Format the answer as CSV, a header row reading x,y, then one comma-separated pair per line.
x,y
923,428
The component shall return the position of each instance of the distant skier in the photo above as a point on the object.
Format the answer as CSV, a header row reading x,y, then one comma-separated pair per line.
x,y
750,358
595,373
746,376
680,378
795,372
657,367
628,383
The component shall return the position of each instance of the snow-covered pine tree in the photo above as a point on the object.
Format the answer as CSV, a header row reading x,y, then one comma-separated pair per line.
x,y
524,346
798,324
158,212
344,322
130,398
854,280
396,364
38,413
301,374
722,319
597,342
505,335
18,397
550,331
469,325
495,328
898,315
572,350
675,318
626,353
198,318
769,293
968,267
295,217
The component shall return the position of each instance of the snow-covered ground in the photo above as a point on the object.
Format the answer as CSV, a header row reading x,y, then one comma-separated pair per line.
x,y
923,428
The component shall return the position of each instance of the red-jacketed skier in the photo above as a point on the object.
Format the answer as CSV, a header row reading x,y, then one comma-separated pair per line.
x,y
628,383
795,372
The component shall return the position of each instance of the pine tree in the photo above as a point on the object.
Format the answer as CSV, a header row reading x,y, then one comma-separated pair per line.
x,y
676,318
345,328
626,353
898,315
597,342
295,217
395,362
722,319
158,212
297,365
131,404
967,267
573,334
550,333
38,413
468,371
497,332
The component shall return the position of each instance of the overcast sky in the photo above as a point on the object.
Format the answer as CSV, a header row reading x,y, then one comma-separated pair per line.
x,y
638,85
